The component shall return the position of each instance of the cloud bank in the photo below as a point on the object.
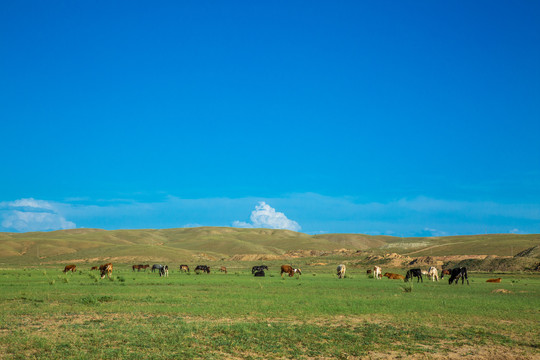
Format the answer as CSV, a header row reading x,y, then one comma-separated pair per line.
x,y
265,216
32,215
419,216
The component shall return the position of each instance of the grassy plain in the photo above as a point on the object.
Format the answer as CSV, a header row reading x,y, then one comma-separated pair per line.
x,y
45,314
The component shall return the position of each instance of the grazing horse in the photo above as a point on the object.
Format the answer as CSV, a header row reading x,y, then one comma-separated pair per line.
x,y
394,276
71,268
433,273
203,268
498,280
458,273
414,273
259,273
106,269
368,272
223,269
161,269
164,271
138,267
377,272
94,268
287,269
184,268
341,271
258,268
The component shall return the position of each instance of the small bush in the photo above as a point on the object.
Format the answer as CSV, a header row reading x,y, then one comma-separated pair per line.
x,y
90,300
407,287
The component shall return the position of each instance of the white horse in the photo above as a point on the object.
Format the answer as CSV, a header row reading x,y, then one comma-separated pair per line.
x,y
377,272
341,271
433,273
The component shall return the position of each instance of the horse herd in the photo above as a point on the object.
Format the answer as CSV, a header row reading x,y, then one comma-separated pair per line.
x,y
259,270
433,273
163,270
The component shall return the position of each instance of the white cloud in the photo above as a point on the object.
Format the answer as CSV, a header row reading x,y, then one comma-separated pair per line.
x,y
192,225
265,216
32,215
419,216
434,232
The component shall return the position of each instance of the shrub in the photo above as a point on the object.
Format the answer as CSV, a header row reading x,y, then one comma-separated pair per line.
x,y
408,287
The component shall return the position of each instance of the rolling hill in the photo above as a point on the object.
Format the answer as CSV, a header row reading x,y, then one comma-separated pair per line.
x,y
220,243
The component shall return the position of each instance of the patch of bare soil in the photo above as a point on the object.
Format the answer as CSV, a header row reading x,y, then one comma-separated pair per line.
x,y
501,291
484,352
426,261
294,254
389,260
255,257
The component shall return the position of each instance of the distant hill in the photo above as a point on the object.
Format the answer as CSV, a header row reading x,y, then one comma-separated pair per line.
x,y
216,243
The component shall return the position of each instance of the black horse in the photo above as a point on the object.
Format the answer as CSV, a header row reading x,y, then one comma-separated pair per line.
x,y
458,273
258,268
414,273
202,268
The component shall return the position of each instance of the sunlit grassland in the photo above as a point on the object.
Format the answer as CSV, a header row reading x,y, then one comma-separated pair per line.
x,y
47,314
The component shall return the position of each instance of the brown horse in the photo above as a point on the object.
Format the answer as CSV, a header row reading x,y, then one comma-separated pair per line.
x,y
394,276
137,267
287,269
106,269
71,268
223,269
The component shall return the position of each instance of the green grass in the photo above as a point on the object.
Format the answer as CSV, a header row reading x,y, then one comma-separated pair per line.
x,y
45,314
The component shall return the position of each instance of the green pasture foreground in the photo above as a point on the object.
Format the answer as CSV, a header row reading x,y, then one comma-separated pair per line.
x,y
45,314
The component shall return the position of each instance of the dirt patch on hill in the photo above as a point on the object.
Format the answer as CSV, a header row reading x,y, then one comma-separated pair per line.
x,y
389,260
295,254
254,257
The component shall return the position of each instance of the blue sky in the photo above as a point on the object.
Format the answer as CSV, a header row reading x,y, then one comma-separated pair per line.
x,y
401,118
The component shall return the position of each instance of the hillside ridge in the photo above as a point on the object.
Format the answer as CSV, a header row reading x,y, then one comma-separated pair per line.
x,y
228,243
